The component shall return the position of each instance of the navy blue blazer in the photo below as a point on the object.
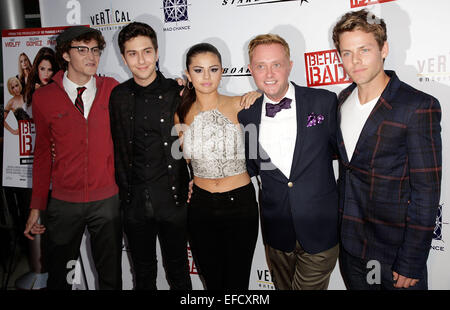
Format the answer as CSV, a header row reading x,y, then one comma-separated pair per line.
x,y
303,208
389,190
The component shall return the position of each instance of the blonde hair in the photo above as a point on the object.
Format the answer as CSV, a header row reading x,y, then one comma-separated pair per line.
x,y
266,39
360,20
21,73
9,83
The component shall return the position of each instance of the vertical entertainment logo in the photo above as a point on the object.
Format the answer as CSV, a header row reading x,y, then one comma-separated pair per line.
x,y
434,69
264,279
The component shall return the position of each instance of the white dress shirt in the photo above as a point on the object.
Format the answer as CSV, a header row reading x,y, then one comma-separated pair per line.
x,y
88,95
353,118
278,134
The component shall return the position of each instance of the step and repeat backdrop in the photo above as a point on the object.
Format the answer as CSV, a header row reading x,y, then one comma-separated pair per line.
x,y
419,53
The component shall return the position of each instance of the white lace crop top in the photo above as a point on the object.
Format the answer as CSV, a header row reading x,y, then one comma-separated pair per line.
x,y
214,145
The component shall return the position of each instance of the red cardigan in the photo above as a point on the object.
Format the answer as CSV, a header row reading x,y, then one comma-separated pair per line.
x,y
83,169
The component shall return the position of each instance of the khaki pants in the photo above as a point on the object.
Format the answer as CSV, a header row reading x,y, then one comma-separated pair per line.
x,y
299,270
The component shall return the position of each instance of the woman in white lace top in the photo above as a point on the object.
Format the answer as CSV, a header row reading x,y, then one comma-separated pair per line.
x,y
223,212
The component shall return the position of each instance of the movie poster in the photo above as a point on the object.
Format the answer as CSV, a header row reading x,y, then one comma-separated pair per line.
x,y
28,64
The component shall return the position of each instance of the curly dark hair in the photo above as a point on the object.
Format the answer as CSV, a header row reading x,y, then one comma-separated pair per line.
x,y
65,46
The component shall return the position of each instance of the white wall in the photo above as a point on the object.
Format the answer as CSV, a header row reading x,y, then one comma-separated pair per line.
x,y
419,52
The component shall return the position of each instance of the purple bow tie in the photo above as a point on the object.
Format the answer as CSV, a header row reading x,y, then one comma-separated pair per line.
x,y
272,109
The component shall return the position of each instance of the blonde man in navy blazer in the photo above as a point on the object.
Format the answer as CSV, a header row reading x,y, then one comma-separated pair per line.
x,y
295,144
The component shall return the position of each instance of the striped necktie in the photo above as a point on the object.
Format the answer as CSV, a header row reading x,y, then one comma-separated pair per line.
x,y
79,102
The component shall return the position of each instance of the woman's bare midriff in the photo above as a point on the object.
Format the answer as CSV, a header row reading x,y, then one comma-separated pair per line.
x,y
223,184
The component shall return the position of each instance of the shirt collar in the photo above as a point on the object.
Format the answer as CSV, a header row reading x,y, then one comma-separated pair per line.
x,y
156,84
72,87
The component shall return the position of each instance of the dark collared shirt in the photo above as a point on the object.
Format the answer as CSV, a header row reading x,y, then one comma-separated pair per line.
x,y
149,161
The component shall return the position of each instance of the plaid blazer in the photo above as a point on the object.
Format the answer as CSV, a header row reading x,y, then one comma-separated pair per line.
x,y
390,190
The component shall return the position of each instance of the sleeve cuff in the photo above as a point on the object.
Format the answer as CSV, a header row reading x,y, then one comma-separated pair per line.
x,y
39,203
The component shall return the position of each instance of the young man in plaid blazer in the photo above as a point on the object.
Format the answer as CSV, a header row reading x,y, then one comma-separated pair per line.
x,y
389,141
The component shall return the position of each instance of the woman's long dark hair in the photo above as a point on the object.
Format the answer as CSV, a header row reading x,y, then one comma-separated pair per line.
x,y
44,53
189,96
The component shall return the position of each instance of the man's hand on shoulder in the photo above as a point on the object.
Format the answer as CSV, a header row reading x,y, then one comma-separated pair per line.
x,y
181,82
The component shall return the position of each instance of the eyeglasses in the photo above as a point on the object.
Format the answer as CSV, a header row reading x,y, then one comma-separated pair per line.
x,y
84,50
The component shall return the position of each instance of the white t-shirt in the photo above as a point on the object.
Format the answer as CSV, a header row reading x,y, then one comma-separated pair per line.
x,y
353,117
277,134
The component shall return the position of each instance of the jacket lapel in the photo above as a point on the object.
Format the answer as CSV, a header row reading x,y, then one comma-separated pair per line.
x,y
379,113
340,139
263,160
301,101
376,117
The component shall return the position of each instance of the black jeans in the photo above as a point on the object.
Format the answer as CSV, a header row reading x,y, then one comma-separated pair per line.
x,y
223,229
355,272
152,213
66,222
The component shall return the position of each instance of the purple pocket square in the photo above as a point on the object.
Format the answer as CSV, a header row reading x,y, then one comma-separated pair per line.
x,y
314,119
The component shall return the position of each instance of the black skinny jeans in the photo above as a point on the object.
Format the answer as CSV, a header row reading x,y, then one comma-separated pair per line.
x,y
223,229
152,214
66,222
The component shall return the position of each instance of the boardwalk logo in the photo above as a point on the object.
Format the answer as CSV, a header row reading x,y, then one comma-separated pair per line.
x,y
235,71
325,68
361,3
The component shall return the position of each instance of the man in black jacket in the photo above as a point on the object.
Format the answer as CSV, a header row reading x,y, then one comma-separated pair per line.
x,y
153,185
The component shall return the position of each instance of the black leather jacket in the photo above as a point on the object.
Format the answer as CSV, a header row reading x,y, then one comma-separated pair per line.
x,y
122,115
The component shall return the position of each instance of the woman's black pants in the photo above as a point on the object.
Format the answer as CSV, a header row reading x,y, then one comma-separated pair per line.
x,y
223,229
